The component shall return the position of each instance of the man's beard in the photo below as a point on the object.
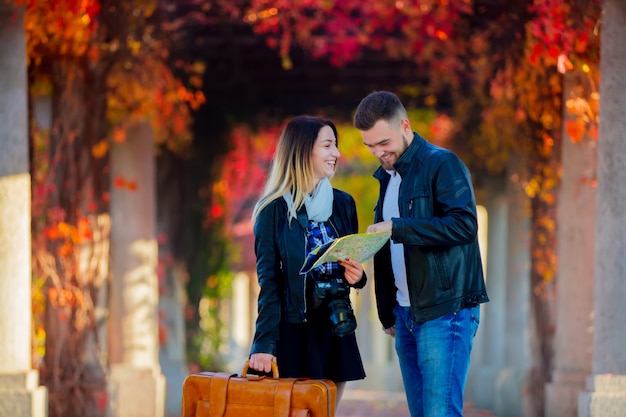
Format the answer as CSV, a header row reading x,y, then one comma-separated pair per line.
x,y
388,165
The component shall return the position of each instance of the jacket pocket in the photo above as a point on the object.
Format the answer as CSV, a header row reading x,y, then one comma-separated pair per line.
x,y
417,202
442,269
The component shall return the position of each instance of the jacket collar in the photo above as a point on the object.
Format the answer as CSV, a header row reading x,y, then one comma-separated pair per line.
x,y
405,160
303,218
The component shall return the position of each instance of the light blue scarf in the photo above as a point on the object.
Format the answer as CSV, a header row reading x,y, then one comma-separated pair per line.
x,y
319,206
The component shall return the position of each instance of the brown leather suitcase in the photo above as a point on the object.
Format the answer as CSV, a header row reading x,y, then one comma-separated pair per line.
x,y
220,394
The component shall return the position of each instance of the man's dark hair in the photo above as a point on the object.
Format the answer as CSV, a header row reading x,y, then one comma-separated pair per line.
x,y
379,105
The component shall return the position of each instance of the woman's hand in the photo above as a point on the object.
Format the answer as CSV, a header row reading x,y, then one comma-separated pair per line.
x,y
354,270
262,361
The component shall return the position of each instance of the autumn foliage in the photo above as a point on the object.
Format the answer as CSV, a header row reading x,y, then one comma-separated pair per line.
x,y
428,31
105,65
60,28
102,66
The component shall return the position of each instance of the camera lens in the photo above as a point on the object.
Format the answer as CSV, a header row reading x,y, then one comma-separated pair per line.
x,y
342,317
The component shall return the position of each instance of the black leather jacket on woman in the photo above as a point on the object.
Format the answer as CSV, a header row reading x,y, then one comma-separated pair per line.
x,y
438,227
280,250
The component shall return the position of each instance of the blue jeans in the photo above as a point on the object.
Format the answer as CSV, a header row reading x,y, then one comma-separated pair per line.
x,y
434,358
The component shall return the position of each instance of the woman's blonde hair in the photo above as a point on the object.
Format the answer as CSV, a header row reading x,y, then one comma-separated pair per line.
x,y
292,169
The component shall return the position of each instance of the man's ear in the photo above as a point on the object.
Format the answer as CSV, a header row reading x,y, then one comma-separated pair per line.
x,y
406,126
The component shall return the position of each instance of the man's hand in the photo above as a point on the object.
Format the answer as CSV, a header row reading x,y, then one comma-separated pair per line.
x,y
380,227
391,331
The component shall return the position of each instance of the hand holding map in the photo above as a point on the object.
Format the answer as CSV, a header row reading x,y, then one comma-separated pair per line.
x,y
359,246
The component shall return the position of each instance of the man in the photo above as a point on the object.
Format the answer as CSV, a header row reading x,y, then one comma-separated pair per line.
x,y
429,279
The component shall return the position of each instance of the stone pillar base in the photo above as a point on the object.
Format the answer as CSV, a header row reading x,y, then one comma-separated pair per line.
x,y
562,393
136,392
380,377
604,396
509,389
482,395
22,396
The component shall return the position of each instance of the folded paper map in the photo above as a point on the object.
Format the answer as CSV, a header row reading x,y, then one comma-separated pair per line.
x,y
359,246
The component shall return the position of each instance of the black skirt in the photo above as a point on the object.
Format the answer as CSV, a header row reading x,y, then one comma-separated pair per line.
x,y
311,350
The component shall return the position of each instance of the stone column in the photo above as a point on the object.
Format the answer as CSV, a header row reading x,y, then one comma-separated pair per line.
x,y
510,384
606,386
240,324
20,393
577,218
377,350
491,328
172,357
137,383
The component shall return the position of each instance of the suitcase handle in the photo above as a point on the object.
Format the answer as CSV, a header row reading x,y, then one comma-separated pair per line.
x,y
246,366
218,393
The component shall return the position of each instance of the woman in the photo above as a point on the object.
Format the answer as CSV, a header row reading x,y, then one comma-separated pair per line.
x,y
299,211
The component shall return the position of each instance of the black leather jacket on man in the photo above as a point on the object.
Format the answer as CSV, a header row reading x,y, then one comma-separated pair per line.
x,y
280,249
438,227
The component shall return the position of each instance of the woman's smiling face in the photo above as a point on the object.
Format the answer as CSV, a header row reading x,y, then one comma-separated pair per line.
x,y
325,153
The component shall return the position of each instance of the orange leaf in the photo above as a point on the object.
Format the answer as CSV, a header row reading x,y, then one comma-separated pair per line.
x,y
100,149
593,131
65,229
131,185
119,135
52,294
440,34
536,53
119,182
575,130
52,232
65,250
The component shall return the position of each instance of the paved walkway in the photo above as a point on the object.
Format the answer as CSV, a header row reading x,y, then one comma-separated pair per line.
x,y
365,403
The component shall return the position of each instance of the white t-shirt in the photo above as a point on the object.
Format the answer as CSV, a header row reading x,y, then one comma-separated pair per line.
x,y
392,209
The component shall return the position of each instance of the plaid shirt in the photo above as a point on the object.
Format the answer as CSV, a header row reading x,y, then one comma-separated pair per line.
x,y
317,234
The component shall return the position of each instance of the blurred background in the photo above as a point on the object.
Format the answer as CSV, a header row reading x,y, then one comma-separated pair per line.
x,y
137,135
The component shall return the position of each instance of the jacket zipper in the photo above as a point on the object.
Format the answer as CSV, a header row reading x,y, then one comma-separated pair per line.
x,y
334,229
304,284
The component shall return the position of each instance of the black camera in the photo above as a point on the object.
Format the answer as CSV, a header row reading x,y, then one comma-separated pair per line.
x,y
336,295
